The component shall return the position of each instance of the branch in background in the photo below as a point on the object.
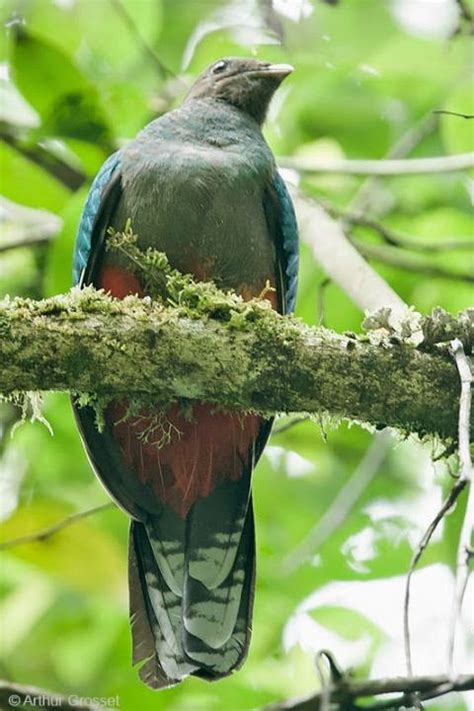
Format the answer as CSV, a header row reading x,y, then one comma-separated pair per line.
x,y
344,501
49,531
465,552
466,378
272,21
366,198
62,343
341,261
347,691
321,299
323,660
361,203
445,508
163,71
392,237
285,426
24,226
466,15
387,254
65,173
331,247
408,262
465,479
27,240
453,113
410,166
14,696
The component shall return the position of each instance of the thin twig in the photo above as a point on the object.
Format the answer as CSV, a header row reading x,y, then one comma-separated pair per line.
x,y
66,174
429,687
462,578
49,531
447,506
466,378
344,501
365,198
453,113
325,682
322,286
285,426
33,240
341,260
409,166
392,237
464,552
465,10
408,262
466,14
148,51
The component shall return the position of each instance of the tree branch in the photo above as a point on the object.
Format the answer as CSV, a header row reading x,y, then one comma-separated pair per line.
x,y
429,687
147,50
392,237
453,113
344,501
408,262
465,552
65,173
421,547
24,226
349,270
466,16
49,531
367,198
409,166
237,354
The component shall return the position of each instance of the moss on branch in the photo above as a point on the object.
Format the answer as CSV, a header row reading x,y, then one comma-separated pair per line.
x,y
224,350
192,341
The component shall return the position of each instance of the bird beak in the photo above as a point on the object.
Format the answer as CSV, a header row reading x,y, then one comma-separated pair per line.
x,y
279,71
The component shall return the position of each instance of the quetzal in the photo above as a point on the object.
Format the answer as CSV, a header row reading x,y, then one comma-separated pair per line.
x,y
199,183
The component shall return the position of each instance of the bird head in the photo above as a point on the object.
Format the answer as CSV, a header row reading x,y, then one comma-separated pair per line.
x,y
247,84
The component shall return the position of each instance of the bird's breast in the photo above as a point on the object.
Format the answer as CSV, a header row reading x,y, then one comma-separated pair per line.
x,y
203,206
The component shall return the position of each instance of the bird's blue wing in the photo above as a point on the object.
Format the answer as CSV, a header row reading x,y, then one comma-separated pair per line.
x,y
104,179
289,234
281,220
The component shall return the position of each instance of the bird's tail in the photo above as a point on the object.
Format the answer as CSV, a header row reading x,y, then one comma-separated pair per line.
x,y
180,624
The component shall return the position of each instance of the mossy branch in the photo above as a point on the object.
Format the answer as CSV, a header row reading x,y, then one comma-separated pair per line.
x,y
197,342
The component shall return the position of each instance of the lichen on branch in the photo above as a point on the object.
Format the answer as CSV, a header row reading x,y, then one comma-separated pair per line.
x,y
196,342
169,287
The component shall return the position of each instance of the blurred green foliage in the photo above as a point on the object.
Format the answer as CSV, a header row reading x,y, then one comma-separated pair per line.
x,y
81,76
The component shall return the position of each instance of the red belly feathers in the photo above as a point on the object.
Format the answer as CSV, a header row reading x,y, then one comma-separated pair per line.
x,y
181,455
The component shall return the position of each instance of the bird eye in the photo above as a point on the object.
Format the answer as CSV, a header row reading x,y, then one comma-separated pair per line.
x,y
219,67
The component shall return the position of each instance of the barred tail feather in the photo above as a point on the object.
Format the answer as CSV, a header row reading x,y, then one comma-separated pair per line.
x,y
155,617
220,618
202,632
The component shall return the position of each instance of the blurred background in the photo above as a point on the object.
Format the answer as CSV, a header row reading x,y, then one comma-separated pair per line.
x,y
77,79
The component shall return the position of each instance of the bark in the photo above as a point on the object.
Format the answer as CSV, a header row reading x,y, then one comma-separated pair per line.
x,y
347,690
238,355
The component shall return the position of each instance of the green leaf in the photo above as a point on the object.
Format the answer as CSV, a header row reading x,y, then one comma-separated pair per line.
x,y
81,556
348,623
66,100
28,183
